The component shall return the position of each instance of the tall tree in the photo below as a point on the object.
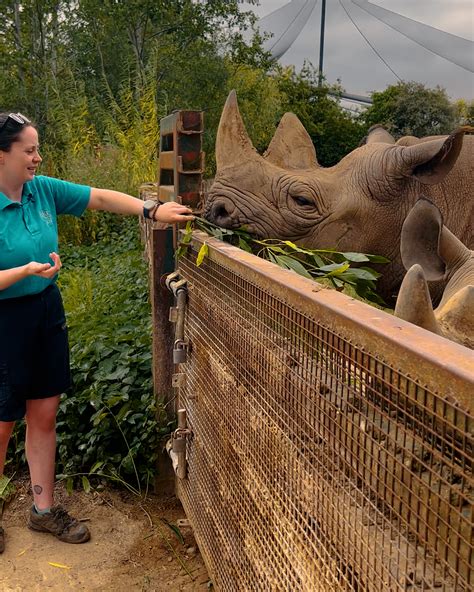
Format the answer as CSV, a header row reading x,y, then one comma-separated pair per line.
x,y
409,108
31,36
92,71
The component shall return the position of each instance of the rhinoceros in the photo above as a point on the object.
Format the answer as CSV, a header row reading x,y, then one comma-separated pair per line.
x,y
357,205
430,251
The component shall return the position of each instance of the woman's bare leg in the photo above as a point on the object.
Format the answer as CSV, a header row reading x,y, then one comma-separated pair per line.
x,y
41,448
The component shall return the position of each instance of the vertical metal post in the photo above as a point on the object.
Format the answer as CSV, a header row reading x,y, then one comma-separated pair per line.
x,y
162,263
159,252
321,42
180,170
181,162
162,300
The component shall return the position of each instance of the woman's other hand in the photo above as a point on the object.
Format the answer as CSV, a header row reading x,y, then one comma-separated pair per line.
x,y
8,277
172,212
45,270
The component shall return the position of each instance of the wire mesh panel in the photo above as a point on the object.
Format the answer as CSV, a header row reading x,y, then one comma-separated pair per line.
x,y
332,443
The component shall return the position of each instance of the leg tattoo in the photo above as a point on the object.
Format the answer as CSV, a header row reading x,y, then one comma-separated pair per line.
x,y
37,489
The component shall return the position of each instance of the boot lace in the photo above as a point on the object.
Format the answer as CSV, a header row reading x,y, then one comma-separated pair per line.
x,y
63,519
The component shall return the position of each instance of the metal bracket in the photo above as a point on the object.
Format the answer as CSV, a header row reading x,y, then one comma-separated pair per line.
x,y
174,284
177,444
177,315
178,380
179,285
182,434
171,278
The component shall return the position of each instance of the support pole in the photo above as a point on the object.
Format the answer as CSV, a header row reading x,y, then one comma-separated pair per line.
x,y
180,170
321,43
161,300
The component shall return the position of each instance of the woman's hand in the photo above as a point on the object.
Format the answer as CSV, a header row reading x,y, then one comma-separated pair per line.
x,y
8,277
45,270
171,212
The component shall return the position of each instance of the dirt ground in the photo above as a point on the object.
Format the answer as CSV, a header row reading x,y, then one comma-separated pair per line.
x,y
133,546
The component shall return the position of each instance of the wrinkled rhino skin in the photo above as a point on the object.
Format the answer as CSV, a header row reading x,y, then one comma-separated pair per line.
x,y
357,205
430,251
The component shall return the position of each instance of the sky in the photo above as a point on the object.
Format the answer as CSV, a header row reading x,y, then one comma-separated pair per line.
x,y
348,56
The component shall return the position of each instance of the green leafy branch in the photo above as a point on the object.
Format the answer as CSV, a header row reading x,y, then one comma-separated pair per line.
x,y
340,269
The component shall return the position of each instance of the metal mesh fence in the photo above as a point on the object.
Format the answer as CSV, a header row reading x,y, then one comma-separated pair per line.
x,y
330,451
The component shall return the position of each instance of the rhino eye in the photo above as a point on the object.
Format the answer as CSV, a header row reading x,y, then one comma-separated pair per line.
x,y
302,201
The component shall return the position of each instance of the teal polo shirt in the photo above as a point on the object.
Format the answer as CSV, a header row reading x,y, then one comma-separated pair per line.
x,y
29,230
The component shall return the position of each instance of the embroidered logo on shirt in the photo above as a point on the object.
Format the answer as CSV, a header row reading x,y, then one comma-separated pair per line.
x,y
46,216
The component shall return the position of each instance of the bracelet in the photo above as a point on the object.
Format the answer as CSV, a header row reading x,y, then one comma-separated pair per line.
x,y
153,212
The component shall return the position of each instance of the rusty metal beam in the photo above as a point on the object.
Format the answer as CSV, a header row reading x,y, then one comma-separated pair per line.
x,y
167,159
181,162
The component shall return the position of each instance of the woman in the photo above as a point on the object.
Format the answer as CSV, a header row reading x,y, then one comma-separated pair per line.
x,y
34,354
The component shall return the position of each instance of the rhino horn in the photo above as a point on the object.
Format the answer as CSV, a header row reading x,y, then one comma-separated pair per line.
x,y
414,302
377,133
291,146
431,161
456,317
233,144
420,239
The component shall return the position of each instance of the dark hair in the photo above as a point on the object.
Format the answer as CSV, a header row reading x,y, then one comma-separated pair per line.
x,y
10,131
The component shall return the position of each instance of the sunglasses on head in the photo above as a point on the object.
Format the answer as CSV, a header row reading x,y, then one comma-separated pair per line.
x,y
17,118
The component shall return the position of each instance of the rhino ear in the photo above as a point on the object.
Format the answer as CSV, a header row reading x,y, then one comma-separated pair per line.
x,y
291,146
233,144
414,302
377,133
420,238
431,161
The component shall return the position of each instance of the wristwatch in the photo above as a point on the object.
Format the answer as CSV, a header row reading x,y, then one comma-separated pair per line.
x,y
149,209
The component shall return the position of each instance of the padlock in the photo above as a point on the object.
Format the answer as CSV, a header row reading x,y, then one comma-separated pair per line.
x,y
179,352
179,444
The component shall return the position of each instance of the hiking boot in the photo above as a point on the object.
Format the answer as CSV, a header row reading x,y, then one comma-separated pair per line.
x,y
2,540
58,522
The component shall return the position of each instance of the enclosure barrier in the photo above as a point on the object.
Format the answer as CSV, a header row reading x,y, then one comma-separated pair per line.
x,y
180,169
330,444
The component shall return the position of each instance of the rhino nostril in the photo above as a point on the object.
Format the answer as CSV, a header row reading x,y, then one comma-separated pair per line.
x,y
220,212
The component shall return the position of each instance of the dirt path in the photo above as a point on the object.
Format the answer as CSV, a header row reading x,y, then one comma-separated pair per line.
x,y
132,547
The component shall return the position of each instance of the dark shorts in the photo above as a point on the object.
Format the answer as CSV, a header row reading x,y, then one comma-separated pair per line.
x,y
34,351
